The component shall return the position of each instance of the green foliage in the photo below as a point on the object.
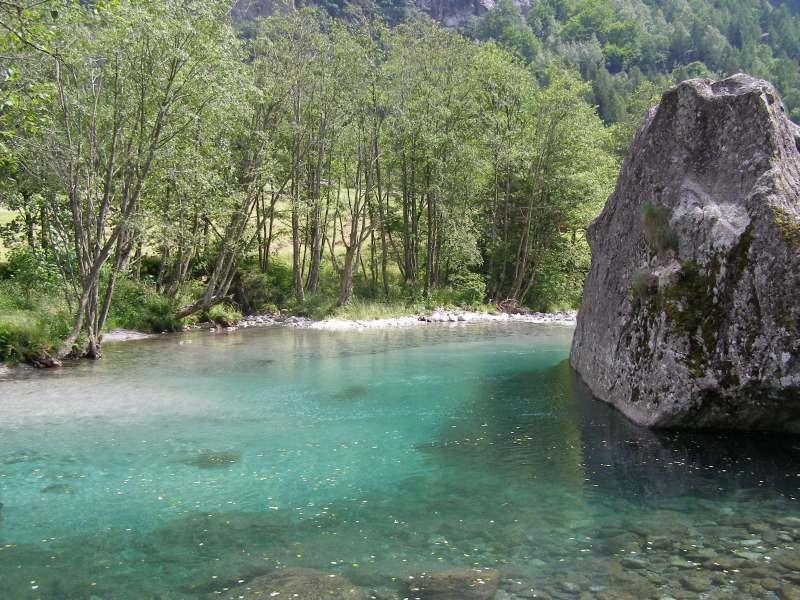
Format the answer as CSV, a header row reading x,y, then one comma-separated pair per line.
x,y
446,296
469,288
257,292
26,336
451,172
619,45
32,272
560,275
313,306
505,25
30,326
619,36
224,315
138,306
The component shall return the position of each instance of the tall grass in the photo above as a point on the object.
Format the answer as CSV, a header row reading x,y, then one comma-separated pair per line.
x,y
224,315
30,326
138,306
365,310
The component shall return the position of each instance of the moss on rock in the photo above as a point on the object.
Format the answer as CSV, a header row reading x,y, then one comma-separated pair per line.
x,y
789,226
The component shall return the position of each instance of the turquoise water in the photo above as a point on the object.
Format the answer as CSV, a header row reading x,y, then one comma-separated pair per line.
x,y
179,467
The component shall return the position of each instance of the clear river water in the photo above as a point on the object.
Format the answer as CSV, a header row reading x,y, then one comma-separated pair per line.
x,y
186,466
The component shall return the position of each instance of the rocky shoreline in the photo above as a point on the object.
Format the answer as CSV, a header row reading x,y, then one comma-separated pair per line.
x,y
126,335
439,316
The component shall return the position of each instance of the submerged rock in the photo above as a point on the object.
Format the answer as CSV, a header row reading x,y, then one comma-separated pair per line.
x,y
352,392
689,315
307,584
456,584
208,459
58,488
696,582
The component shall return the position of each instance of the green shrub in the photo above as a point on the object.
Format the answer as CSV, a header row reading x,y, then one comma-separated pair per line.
x,y
11,297
254,289
158,315
560,273
32,272
268,309
224,315
315,306
440,297
149,266
25,335
280,277
469,288
136,305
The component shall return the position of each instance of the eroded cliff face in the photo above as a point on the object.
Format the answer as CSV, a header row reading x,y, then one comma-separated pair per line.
x,y
691,308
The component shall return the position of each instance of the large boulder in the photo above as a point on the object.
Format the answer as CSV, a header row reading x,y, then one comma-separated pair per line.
x,y
690,311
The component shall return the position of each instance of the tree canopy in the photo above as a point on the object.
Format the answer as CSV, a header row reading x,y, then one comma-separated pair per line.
x,y
163,162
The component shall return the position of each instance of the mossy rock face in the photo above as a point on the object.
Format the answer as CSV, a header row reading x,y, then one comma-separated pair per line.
x,y
689,316
789,227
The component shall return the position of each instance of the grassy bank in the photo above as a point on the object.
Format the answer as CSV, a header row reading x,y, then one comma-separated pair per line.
x,y
36,314
33,328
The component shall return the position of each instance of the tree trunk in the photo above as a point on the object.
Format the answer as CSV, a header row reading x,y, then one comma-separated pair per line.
x,y
317,233
431,240
297,275
381,216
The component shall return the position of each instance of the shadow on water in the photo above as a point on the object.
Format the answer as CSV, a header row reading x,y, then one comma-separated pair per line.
x,y
546,425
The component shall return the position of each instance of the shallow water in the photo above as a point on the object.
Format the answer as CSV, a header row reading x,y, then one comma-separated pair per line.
x,y
180,467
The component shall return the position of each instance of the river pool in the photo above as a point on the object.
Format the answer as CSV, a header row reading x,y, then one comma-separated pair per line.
x,y
186,466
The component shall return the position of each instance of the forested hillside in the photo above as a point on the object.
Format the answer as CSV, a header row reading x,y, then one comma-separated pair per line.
x,y
620,46
163,163
625,46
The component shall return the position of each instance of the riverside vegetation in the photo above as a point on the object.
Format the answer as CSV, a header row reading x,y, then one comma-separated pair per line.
x,y
165,168
163,163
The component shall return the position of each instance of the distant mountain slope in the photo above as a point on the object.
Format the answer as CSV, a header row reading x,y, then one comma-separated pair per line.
x,y
628,49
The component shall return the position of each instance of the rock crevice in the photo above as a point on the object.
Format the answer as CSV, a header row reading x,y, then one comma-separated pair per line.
x,y
690,315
